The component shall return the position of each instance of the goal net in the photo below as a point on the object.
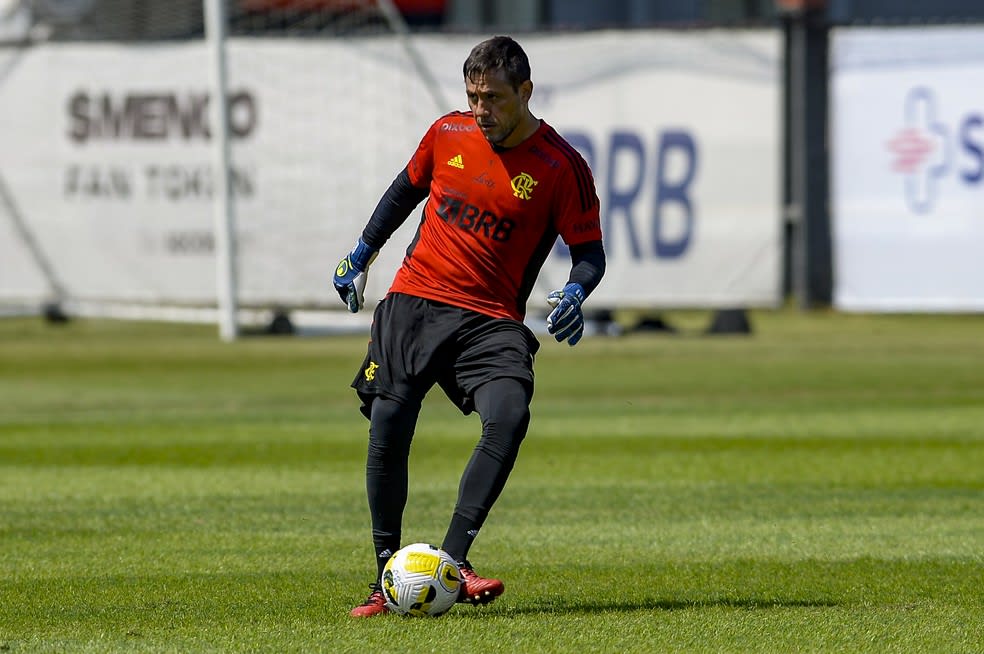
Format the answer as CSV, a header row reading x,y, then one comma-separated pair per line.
x,y
346,96
112,211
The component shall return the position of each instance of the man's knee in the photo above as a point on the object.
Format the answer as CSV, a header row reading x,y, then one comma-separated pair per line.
x,y
391,425
504,405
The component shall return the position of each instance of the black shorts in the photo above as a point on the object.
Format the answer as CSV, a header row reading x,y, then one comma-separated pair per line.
x,y
416,343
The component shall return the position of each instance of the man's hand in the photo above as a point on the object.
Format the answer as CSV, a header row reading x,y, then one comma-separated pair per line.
x,y
566,321
350,275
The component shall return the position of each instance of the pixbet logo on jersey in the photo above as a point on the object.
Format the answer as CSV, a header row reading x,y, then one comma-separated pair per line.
x,y
928,149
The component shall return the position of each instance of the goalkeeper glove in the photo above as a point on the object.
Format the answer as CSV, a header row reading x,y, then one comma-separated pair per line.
x,y
350,275
566,321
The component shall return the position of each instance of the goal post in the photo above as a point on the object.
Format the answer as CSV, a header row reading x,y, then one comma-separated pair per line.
x,y
223,208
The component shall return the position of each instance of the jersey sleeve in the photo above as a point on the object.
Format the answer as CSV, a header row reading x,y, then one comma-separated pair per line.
x,y
421,165
577,214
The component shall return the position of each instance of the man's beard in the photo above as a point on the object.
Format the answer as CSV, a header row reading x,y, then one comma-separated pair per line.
x,y
505,136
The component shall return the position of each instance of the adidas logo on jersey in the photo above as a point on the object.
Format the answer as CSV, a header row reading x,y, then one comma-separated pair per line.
x,y
456,161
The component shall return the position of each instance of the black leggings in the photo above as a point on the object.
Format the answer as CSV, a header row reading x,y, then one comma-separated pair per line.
x,y
503,405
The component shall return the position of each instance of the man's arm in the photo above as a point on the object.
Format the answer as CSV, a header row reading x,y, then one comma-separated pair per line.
x,y
587,265
566,321
392,209
399,200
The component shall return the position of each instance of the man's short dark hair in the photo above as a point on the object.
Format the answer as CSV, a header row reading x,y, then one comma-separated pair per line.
x,y
498,53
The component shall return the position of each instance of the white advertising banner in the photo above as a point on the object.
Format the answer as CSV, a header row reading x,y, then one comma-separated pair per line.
x,y
907,165
106,156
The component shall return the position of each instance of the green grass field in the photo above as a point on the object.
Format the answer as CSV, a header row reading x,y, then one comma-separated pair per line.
x,y
815,487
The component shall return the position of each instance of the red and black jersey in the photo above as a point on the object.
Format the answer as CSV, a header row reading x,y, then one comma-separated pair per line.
x,y
493,215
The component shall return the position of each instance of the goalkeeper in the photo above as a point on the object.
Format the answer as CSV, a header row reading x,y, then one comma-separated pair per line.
x,y
501,185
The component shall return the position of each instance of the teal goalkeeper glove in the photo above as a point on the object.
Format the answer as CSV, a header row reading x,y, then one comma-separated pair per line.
x,y
350,275
566,321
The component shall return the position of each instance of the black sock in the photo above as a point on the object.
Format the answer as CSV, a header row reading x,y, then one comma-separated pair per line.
x,y
461,534
390,433
382,556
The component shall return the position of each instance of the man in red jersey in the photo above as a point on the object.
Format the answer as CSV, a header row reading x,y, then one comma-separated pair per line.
x,y
501,185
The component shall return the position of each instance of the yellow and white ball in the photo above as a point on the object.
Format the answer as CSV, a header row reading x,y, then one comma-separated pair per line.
x,y
421,579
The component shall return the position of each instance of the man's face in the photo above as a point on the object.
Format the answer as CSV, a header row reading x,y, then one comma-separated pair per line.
x,y
498,108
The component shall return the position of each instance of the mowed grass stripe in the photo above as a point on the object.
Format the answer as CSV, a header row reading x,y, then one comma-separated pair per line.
x,y
817,486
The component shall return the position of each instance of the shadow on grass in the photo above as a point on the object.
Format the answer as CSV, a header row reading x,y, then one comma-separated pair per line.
x,y
628,606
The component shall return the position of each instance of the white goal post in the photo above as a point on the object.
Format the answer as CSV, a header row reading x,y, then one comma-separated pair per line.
x,y
223,208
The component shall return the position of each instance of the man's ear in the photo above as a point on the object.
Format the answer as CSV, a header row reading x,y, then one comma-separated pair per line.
x,y
526,90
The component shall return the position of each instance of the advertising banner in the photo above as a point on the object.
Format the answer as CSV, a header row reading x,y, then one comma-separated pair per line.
x,y
107,155
907,164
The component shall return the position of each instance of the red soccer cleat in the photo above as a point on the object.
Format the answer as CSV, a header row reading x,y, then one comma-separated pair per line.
x,y
375,604
477,590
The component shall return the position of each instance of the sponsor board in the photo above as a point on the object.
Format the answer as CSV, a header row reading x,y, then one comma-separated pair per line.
x,y
108,158
907,166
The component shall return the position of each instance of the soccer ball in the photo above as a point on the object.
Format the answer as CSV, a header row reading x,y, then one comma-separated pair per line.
x,y
421,579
